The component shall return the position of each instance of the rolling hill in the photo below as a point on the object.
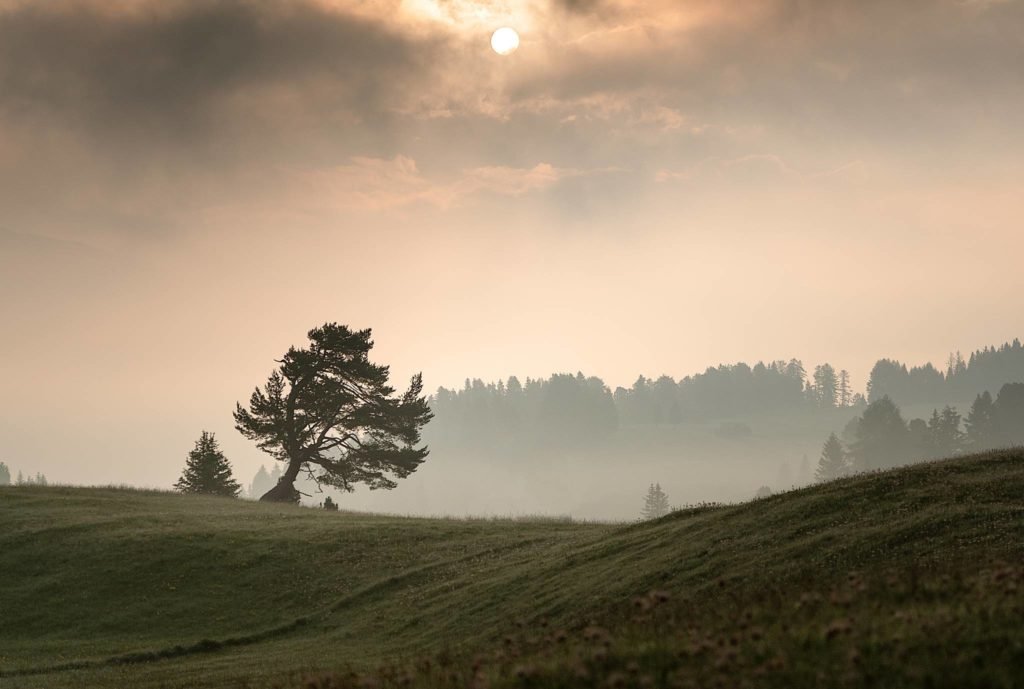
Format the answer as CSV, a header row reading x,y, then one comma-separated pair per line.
x,y
911,577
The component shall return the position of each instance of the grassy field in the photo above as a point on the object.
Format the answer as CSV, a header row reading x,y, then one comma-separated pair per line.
x,y
907,578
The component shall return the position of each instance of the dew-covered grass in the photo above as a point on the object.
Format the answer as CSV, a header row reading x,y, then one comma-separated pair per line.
x,y
905,578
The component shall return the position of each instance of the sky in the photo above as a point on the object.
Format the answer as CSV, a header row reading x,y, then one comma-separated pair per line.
x,y
652,187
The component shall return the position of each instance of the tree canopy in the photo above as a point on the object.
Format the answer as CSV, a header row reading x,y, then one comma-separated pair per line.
x,y
984,369
588,411
882,437
328,411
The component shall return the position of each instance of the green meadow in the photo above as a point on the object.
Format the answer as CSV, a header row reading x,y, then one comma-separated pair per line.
x,y
911,577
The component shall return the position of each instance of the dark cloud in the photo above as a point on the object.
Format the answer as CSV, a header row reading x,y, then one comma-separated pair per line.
x,y
892,72
178,71
588,7
134,118
128,119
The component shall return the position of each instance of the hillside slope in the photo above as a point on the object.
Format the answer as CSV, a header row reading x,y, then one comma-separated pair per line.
x,y
102,587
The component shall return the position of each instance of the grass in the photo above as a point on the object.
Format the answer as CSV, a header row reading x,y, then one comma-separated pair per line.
x,y
906,578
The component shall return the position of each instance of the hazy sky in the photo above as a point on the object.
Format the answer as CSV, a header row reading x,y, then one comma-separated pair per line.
x,y
643,187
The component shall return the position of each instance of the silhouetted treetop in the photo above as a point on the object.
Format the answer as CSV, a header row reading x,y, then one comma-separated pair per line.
x,y
986,369
577,409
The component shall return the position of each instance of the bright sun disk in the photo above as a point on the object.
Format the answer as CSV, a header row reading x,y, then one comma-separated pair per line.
x,y
504,41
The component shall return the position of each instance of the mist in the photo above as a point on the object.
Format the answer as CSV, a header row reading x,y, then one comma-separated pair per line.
x,y
511,344
188,188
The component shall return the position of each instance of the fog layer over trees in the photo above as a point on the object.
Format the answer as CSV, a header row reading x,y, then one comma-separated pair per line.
x,y
569,444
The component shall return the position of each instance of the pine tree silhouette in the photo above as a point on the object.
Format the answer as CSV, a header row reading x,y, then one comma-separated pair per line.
x,y
833,463
207,470
655,503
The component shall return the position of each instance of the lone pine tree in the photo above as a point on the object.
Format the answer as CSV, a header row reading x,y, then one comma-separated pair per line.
x,y
655,502
328,411
207,470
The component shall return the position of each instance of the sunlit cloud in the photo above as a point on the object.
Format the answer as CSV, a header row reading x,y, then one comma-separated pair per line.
x,y
381,184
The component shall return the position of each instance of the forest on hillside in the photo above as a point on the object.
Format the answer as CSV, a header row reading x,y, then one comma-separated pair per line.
x,y
579,409
881,438
985,370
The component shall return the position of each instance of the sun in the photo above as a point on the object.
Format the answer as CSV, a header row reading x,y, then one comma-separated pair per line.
x,y
504,41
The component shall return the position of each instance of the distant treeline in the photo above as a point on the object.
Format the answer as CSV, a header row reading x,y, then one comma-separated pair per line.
x,y
738,389
577,408
6,479
563,408
985,369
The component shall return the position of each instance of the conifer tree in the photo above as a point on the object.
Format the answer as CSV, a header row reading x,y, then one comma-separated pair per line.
x,y
945,438
981,424
655,503
826,386
833,463
329,411
5,475
882,437
261,483
845,392
207,470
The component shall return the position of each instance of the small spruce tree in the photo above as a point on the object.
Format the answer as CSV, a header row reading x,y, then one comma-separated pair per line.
x,y
655,502
329,504
5,475
833,463
207,470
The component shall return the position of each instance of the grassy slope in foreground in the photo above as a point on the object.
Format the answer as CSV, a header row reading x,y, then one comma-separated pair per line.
x,y
890,579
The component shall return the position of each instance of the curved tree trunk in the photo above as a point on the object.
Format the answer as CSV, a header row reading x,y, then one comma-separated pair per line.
x,y
284,491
